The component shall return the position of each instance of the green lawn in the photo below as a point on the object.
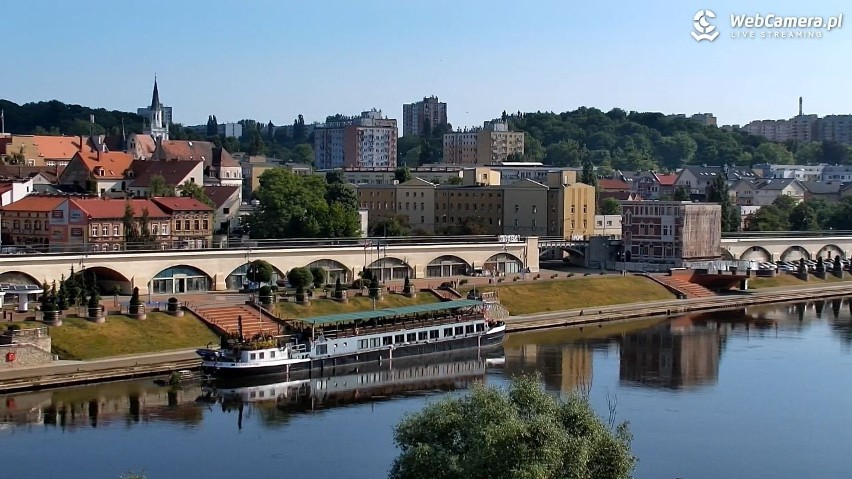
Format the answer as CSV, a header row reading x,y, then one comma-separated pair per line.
x,y
119,335
322,307
792,280
537,297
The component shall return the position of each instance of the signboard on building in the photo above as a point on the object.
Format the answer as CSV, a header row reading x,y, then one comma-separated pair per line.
x,y
509,238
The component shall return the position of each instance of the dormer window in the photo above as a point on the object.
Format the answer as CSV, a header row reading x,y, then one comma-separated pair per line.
x,y
99,171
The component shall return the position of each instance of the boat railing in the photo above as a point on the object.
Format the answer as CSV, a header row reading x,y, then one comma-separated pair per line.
x,y
386,328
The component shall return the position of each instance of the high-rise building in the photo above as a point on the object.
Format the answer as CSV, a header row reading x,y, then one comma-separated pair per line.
x,y
493,143
804,128
157,117
367,141
421,117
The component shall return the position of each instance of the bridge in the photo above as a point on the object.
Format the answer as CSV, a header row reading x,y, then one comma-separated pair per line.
x,y
786,245
218,269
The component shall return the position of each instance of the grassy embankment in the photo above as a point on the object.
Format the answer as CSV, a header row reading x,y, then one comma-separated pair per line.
x,y
792,280
119,335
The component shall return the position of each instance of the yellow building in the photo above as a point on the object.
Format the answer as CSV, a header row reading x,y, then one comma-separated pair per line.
x,y
483,146
570,207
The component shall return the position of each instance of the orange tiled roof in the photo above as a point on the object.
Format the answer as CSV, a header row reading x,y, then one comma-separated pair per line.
x,y
109,208
56,147
114,163
180,203
610,184
35,203
667,180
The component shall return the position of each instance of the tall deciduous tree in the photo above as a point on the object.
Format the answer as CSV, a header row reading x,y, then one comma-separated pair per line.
x,y
718,192
610,206
159,187
520,433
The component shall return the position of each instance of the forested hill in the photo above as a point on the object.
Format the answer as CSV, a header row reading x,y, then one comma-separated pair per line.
x,y
57,118
651,141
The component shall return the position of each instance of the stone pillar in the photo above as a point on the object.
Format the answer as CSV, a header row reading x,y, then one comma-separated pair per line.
x,y
530,254
219,283
23,302
419,271
141,282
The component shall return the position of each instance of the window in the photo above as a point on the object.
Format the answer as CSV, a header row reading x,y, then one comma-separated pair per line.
x,y
399,338
154,228
448,332
226,210
105,230
115,230
480,327
387,340
94,230
205,225
197,225
115,247
164,229
421,336
459,330
434,334
16,224
322,349
252,356
260,355
411,337
363,344
177,225
186,225
374,342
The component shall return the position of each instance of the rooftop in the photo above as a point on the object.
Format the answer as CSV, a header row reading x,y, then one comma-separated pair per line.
x,y
389,312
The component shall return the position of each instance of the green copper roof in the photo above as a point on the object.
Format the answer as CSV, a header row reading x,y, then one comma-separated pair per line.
x,y
389,312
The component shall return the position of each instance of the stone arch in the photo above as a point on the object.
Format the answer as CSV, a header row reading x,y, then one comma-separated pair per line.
x,y
727,255
333,269
237,278
503,263
18,278
180,279
109,280
756,253
446,266
794,253
390,268
829,251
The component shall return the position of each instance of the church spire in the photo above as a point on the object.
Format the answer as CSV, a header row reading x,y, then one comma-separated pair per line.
x,y
155,99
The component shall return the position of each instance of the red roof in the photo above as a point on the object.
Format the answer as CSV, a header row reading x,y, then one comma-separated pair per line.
x,y
114,163
220,194
173,172
56,147
180,203
667,180
607,184
35,203
109,208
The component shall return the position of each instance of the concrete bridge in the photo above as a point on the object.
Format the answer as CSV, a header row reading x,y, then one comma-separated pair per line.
x,y
787,245
184,271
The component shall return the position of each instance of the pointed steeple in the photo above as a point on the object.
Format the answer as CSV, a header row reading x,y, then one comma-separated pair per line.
x,y
155,99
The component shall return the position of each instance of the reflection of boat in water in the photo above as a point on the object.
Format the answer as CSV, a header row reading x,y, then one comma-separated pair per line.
x,y
351,384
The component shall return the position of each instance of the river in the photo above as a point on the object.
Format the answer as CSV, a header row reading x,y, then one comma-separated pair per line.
x,y
757,393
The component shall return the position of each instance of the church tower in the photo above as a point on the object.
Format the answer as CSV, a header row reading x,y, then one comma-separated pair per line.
x,y
158,127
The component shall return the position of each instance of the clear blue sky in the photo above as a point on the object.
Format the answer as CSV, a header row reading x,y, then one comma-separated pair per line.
x,y
274,59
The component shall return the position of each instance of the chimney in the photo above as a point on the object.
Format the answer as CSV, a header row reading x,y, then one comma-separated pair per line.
x,y
800,106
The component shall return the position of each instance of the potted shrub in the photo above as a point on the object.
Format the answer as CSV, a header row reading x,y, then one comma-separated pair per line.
x,y
136,309
50,311
802,272
265,295
300,278
408,289
820,268
838,267
339,292
94,308
173,307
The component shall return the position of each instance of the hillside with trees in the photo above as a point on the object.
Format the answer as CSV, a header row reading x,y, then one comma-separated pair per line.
x,y
651,141
57,118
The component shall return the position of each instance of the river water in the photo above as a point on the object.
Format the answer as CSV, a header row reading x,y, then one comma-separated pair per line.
x,y
757,393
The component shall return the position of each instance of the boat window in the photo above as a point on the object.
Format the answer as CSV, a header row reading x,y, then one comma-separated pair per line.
x,y
271,354
434,334
252,356
399,338
322,349
468,329
480,327
260,355
387,340
422,335
374,342
448,332
363,344
459,330
411,337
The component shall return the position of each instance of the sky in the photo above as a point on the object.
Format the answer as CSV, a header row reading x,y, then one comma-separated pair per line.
x,y
275,59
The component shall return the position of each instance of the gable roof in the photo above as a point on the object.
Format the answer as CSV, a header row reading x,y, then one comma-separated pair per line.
x,y
114,163
220,194
173,172
416,181
667,180
35,203
23,172
775,183
171,204
145,144
221,157
613,184
108,208
527,183
182,150
821,187
56,147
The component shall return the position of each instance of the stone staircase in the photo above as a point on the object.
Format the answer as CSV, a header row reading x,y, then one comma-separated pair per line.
x,y
225,318
445,294
684,288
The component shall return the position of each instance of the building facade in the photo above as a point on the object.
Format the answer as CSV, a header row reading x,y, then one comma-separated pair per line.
x,y
493,143
671,232
367,141
421,118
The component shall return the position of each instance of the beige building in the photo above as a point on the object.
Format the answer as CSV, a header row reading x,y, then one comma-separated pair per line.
x,y
415,199
478,207
525,211
608,225
483,146
378,200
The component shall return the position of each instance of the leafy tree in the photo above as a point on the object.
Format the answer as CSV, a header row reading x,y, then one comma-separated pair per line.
x,y
191,189
300,278
343,194
768,218
610,206
404,145
259,271
395,226
427,155
520,433
566,153
803,217
159,187
718,193
402,174
303,153
318,275
374,288
335,177
265,294
588,176
774,153
820,265
680,194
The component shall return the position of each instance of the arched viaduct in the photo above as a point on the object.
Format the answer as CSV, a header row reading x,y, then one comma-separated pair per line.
x,y
172,272
791,248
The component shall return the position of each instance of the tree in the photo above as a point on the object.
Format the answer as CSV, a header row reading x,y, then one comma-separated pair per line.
x,y
680,194
131,231
159,187
334,177
318,275
395,226
374,288
820,265
610,206
402,174
838,265
343,194
191,189
303,153
259,271
427,155
300,278
588,176
520,433
566,153
718,193
803,217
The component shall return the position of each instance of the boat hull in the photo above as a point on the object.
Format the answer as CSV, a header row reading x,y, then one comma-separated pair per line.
x,y
487,341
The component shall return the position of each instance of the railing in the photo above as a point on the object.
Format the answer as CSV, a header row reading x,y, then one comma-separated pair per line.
x,y
785,234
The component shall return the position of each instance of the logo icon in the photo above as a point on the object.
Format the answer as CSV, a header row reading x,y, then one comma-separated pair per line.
x,y
703,29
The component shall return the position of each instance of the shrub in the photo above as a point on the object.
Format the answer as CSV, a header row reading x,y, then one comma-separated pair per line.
x,y
134,298
13,327
374,288
94,301
463,281
318,275
265,294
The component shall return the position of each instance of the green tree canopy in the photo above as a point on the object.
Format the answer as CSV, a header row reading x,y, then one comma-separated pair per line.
x,y
520,433
610,206
259,271
193,190
300,278
402,174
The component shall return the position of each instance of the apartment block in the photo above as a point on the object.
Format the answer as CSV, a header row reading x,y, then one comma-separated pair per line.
x,y
366,141
490,144
421,118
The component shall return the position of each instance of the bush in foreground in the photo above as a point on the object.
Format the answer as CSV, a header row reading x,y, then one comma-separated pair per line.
x,y
520,433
